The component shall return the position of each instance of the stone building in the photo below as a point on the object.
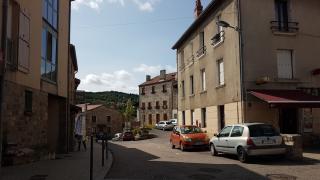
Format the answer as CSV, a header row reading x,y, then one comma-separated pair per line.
x,y
35,112
102,119
158,98
258,64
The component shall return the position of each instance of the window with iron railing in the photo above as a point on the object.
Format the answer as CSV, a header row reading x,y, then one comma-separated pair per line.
x,y
282,22
280,26
218,38
202,48
149,105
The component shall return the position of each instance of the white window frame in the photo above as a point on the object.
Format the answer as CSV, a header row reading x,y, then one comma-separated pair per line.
x,y
203,80
221,77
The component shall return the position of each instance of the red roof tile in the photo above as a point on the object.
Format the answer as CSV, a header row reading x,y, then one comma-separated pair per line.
x,y
89,106
155,80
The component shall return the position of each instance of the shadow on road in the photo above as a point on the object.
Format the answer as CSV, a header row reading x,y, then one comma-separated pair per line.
x,y
131,163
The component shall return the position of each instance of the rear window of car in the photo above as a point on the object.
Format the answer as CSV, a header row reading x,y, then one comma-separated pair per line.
x,y
168,122
261,130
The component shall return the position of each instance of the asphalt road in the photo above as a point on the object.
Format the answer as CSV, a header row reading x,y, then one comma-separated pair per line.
x,y
154,159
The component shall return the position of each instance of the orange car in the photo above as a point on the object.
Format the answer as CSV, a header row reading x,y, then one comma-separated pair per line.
x,y
188,137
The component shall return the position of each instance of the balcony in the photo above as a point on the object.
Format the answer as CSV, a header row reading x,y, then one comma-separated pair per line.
x,y
201,51
285,28
218,38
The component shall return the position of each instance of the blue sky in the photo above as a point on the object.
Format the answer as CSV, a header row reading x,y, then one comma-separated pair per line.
x,y
118,42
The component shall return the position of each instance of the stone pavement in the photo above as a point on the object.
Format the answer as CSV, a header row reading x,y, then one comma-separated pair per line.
x,y
73,166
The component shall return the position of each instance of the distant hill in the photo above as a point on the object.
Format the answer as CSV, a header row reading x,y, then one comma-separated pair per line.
x,y
109,98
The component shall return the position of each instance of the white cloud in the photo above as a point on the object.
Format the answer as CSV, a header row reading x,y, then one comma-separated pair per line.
x,y
143,5
153,70
116,81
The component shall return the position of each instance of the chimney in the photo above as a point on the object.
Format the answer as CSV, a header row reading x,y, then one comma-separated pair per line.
x,y
163,74
148,77
198,9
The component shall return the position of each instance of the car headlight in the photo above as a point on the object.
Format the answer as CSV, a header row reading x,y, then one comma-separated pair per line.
x,y
187,139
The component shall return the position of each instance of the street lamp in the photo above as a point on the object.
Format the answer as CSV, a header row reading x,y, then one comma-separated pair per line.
x,y
227,25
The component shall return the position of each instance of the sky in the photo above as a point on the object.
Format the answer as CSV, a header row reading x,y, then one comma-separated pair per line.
x,y
119,42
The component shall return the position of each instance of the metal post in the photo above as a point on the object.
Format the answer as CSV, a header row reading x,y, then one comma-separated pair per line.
x,y
102,153
107,149
91,158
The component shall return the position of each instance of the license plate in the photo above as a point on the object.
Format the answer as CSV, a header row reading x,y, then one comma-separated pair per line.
x,y
198,143
268,141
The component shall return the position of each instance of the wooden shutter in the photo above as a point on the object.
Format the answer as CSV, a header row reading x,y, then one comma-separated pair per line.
x,y
285,64
24,41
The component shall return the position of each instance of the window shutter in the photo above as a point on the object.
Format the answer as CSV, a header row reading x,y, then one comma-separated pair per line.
x,y
284,64
24,40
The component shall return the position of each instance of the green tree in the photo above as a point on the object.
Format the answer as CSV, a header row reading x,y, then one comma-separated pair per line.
x,y
129,113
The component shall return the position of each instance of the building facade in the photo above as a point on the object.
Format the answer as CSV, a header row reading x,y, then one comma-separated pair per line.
x,y
260,64
102,119
158,98
35,99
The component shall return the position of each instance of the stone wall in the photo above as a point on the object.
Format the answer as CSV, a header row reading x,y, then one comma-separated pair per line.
x,y
24,132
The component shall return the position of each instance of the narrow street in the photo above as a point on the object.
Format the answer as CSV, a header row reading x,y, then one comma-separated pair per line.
x,y
154,159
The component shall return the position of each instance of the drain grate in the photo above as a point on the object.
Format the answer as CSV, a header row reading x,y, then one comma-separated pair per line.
x,y
280,177
202,177
210,170
38,177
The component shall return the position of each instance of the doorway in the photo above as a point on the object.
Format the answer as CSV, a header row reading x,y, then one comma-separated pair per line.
x,y
288,120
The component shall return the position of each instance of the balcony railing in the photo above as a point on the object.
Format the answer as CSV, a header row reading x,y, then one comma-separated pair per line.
x,y
201,51
219,37
286,27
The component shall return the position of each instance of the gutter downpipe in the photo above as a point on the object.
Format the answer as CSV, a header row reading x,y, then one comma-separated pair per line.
x,y
242,86
2,66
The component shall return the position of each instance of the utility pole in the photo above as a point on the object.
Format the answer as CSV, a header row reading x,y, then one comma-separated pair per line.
x,y
2,66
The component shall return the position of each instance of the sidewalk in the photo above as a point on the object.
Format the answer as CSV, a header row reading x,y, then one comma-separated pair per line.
x,y
74,166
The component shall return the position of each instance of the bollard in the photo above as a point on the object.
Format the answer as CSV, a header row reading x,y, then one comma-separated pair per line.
x,y
102,157
91,158
106,149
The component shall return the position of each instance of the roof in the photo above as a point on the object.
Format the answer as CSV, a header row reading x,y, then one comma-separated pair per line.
x,y
205,14
74,56
89,106
156,80
293,97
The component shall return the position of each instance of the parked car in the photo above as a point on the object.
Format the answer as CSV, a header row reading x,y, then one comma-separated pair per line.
x,y
188,137
128,136
174,121
101,136
244,140
117,137
165,125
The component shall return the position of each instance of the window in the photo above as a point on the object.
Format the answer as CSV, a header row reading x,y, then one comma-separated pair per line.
x,y
49,55
262,130
165,117
202,48
183,89
158,118
153,90
164,88
219,37
157,105
165,105
191,85
109,119
149,105
28,101
183,118
150,119
143,106
203,117
203,79
24,41
237,131
282,14
94,119
142,91
225,132
221,72
285,61
50,12
192,116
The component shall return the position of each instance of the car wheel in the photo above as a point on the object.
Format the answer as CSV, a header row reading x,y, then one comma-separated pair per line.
x,y
163,129
213,150
182,148
242,155
172,145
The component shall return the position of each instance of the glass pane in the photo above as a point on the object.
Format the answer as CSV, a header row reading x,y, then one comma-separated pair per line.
x,y
49,1
44,43
48,70
49,19
55,19
49,46
55,4
43,67
54,73
54,50
45,9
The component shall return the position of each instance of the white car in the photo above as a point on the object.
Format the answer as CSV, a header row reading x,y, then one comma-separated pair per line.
x,y
117,137
174,121
164,125
251,139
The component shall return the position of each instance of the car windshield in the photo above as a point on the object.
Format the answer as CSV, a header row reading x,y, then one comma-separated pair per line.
x,y
190,130
261,130
168,122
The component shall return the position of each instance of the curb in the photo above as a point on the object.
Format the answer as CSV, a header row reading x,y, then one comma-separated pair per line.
x,y
110,164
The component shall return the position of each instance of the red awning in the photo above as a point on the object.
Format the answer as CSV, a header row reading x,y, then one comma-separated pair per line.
x,y
290,98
